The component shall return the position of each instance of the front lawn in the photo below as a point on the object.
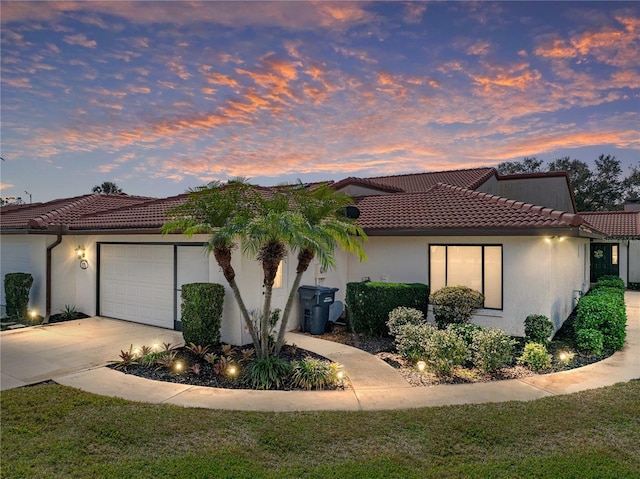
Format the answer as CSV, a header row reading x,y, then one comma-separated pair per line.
x,y
51,431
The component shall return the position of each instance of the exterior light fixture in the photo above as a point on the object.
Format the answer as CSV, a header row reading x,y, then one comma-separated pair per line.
x,y
32,314
421,365
178,366
232,370
81,253
340,375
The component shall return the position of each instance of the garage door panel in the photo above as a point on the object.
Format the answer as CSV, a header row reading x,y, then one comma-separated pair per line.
x,y
136,283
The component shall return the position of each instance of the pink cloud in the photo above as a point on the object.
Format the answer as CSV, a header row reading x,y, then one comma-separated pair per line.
x,y
81,40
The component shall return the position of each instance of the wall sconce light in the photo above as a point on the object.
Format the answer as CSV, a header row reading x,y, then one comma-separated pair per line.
x,y
81,253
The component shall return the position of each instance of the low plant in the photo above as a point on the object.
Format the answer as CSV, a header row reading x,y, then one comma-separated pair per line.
x,y
198,350
211,358
403,315
267,373
127,359
221,365
411,341
590,340
455,304
311,373
445,350
166,359
227,349
247,355
68,312
491,349
538,329
535,357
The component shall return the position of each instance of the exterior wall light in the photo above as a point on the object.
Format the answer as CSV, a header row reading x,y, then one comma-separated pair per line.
x,y
81,253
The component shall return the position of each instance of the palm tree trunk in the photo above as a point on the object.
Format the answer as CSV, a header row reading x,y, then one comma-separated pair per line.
x,y
304,260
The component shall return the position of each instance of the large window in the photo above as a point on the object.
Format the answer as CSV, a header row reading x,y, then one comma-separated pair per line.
x,y
478,267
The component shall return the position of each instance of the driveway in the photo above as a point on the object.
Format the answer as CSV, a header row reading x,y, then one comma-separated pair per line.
x,y
36,354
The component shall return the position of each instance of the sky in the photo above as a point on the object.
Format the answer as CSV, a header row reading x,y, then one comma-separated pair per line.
x,y
159,97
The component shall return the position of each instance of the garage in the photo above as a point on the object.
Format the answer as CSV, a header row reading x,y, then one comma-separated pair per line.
x,y
141,282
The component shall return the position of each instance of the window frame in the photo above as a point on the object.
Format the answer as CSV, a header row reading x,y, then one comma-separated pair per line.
x,y
482,246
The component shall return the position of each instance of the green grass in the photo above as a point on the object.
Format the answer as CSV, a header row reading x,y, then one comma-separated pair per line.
x,y
51,431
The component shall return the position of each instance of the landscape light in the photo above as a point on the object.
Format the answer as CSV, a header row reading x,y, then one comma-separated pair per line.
x,y
232,370
421,365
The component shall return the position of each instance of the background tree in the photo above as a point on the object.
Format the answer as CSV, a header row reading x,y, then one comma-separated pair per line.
x,y
602,189
530,164
108,188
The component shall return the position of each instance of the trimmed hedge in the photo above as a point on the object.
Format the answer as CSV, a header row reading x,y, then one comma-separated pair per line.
x,y
369,303
609,281
201,313
538,329
603,310
455,305
16,290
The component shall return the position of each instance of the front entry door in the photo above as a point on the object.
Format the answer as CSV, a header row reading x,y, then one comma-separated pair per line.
x,y
604,260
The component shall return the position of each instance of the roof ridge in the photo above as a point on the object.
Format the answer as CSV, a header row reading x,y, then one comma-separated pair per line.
x,y
572,218
369,182
128,207
490,168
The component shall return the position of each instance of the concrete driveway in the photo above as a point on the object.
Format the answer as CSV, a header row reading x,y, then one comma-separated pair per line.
x,y
39,353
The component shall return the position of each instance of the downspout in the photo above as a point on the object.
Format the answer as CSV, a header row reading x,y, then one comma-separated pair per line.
x,y
628,261
48,278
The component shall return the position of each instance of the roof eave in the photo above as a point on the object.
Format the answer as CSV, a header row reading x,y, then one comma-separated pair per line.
x,y
548,231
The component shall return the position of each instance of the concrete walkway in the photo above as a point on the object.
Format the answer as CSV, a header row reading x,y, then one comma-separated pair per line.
x,y
44,354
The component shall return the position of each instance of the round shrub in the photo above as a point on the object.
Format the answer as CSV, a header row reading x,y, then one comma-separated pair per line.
x,y
538,329
455,304
491,349
201,312
590,341
403,315
535,357
412,340
445,350
610,281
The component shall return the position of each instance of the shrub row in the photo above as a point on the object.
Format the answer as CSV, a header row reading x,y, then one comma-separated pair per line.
x,y
369,303
601,319
443,350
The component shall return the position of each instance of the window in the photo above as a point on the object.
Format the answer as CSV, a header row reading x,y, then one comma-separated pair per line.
x,y
478,267
277,282
614,254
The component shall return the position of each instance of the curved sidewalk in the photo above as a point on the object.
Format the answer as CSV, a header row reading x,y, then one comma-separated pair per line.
x,y
376,385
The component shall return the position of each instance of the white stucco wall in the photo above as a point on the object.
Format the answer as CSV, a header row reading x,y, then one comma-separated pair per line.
x,y
634,261
539,275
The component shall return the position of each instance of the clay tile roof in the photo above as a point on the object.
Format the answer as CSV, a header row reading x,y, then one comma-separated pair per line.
x,y
367,182
453,207
468,178
150,214
63,211
615,224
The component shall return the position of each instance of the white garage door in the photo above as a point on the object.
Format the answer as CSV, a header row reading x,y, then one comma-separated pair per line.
x,y
136,283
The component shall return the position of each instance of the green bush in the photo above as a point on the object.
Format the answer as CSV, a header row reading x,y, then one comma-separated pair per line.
x,y
16,291
445,350
535,357
466,331
491,349
369,303
609,281
403,315
590,340
538,329
603,310
267,373
412,340
455,304
202,312
311,373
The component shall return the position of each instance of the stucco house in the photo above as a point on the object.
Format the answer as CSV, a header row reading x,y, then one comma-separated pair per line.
x,y
515,238
619,252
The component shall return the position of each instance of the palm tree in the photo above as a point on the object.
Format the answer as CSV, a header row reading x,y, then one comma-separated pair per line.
x,y
268,223
325,226
222,211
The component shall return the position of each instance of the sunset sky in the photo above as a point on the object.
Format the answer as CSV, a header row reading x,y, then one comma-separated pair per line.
x,y
162,96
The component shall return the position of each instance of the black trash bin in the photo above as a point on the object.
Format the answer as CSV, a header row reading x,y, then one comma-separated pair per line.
x,y
314,307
